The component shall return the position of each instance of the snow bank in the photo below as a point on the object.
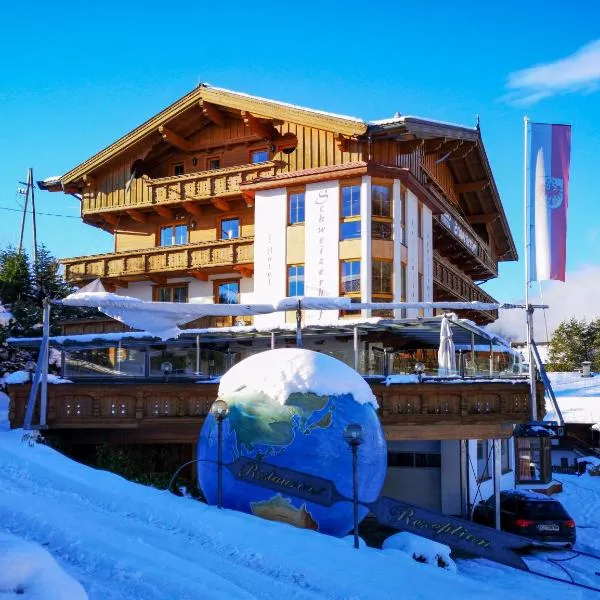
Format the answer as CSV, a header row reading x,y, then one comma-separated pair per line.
x,y
422,550
124,541
18,377
29,572
5,316
279,373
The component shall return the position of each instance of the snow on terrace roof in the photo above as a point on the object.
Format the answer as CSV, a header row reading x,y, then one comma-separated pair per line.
x,y
422,332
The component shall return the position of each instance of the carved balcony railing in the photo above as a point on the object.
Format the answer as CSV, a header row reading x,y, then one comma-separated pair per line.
x,y
455,285
174,411
161,260
203,185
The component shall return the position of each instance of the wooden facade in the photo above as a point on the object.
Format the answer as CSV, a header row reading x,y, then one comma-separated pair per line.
x,y
148,412
204,158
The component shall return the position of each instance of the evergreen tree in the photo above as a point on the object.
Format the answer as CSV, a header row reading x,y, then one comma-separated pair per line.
x,y
573,342
23,289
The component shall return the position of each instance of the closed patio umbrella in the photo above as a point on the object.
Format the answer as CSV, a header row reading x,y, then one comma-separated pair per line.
x,y
446,351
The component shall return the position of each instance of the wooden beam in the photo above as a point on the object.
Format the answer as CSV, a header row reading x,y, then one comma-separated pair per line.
x,y
434,145
174,139
199,275
111,219
163,211
248,197
471,186
192,208
409,146
109,286
483,218
138,216
220,204
158,279
120,283
264,130
244,270
89,181
212,113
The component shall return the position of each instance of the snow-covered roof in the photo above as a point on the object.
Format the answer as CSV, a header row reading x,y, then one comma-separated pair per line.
x,y
286,104
404,118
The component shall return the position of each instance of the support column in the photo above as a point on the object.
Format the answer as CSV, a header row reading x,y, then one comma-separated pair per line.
x,y
497,479
464,479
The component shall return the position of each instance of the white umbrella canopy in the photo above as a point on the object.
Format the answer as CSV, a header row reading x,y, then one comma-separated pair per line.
x,y
446,351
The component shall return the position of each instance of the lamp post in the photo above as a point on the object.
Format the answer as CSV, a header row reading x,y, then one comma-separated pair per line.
x,y
219,410
354,437
30,367
166,368
419,370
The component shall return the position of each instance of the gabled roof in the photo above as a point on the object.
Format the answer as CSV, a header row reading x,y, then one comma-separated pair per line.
x,y
472,166
259,107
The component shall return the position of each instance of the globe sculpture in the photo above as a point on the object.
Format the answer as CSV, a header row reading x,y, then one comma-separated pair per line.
x,y
288,408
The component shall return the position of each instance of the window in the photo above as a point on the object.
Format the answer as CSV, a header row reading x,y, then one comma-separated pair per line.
x,y
420,220
382,278
171,293
295,280
420,293
213,162
350,277
532,459
172,235
350,201
230,228
178,169
381,200
505,455
227,292
296,207
411,460
259,155
483,471
381,217
350,212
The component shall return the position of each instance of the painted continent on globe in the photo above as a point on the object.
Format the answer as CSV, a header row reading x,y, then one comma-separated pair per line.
x,y
288,408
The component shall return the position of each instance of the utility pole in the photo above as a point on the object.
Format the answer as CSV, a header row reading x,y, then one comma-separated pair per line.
x,y
29,189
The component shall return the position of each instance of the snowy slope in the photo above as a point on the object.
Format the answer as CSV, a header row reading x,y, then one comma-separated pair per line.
x,y
578,397
121,540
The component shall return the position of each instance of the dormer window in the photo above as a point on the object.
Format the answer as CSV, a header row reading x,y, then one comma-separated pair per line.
x,y
178,169
259,155
213,162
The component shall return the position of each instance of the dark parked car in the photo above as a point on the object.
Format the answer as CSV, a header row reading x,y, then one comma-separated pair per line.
x,y
531,515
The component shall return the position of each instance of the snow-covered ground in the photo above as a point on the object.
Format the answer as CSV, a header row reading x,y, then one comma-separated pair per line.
x,y
578,397
121,540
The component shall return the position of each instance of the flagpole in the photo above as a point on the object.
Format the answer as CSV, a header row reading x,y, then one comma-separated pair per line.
x,y
528,308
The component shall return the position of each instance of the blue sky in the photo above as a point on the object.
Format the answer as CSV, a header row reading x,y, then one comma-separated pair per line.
x,y
77,76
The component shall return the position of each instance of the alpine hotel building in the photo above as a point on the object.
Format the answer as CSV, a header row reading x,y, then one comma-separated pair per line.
x,y
229,198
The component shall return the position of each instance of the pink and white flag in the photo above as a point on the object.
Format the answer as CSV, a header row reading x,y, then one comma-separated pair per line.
x,y
548,155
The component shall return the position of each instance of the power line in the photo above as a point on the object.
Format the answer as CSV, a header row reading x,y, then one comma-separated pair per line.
x,y
40,213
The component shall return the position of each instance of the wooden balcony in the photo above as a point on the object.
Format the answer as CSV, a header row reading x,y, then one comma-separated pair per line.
x,y
201,186
452,285
173,412
454,238
170,261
